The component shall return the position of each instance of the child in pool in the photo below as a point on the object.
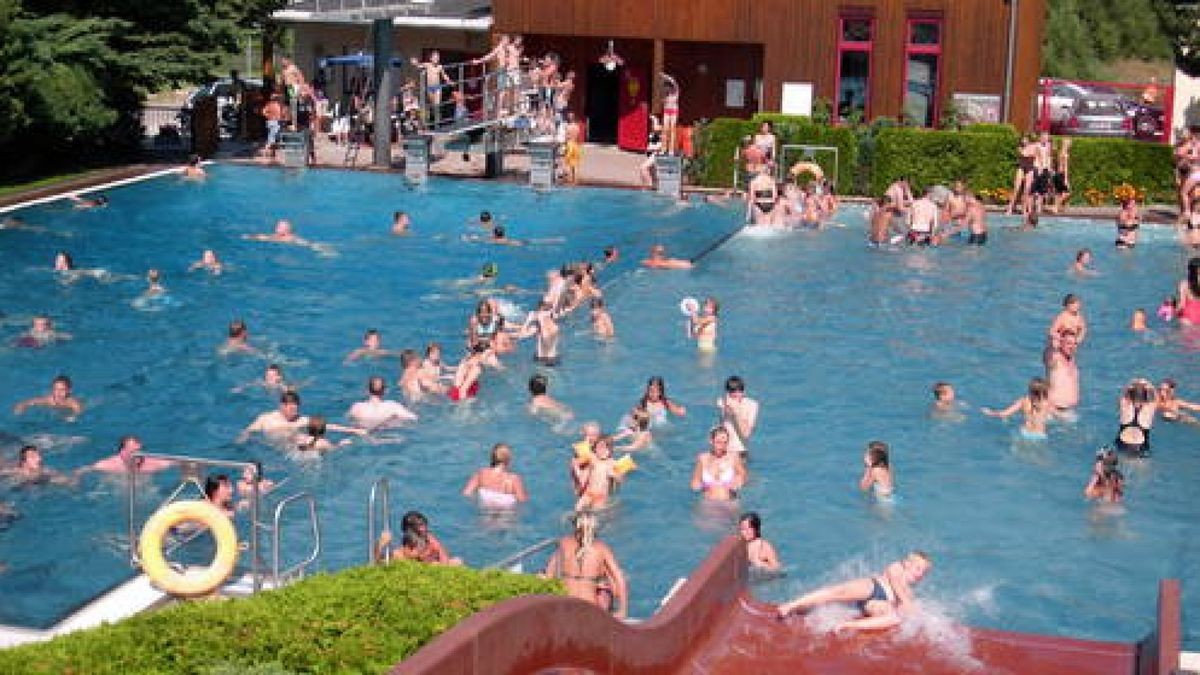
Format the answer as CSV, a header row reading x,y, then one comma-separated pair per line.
x,y
637,429
877,472
1035,406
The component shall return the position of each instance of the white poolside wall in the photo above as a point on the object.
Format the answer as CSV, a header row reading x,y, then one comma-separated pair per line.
x,y
314,41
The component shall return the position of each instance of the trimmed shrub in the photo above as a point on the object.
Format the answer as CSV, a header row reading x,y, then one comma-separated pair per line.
x,y
988,128
985,160
716,146
359,620
797,130
1104,163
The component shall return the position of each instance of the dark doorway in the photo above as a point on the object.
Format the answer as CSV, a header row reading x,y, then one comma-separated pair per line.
x,y
603,96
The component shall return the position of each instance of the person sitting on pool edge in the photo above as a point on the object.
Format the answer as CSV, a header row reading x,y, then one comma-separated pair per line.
x,y
884,600
658,260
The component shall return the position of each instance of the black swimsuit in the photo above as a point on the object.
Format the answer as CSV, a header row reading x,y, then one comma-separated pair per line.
x,y
1140,449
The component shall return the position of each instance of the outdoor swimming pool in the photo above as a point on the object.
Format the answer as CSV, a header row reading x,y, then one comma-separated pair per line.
x,y
838,343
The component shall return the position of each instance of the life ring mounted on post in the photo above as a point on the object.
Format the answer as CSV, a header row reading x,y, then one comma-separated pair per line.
x,y
195,582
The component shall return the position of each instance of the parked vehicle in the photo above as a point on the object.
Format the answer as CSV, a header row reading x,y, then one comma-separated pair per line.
x,y
1061,101
1096,115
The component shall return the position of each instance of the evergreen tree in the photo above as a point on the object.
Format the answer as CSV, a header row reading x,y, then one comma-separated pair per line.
x,y
1082,36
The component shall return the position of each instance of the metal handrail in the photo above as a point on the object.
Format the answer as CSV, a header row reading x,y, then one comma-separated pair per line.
x,y
190,478
511,562
277,576
379,489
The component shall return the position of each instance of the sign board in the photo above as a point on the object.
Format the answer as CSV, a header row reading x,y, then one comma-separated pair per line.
x,y
797,99
542,158
978,108
669,169
416,158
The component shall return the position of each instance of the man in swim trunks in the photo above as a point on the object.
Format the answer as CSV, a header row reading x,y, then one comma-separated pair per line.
x,y
410,376
30,470
125,461
923,221
1043,171
901,195
286,421
541,323
377,412
658,260
738,413
434,78
372,348
884,599
1062,372
41,333
60,396
239,339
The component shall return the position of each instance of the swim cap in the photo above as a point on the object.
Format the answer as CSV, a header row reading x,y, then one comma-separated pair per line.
x,y
490,270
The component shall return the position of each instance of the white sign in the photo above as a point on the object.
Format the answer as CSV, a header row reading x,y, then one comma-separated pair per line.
x,y
797,99
735,93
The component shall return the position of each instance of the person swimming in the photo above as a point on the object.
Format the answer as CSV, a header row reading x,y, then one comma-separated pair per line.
x,y
1035,407
1106,483
759,552
1135,414
496,485
656,402
702,326
718,473
877,471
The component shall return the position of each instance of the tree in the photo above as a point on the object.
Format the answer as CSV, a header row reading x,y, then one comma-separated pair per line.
x,y
1082,36
1181,23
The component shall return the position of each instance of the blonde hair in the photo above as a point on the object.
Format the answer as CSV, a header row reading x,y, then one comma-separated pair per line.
x,y
585,533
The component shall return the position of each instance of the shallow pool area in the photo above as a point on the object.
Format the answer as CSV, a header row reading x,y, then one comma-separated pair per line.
x,y
839,343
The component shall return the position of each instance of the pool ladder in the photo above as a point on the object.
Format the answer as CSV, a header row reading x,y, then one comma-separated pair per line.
x,y
379,502
193,471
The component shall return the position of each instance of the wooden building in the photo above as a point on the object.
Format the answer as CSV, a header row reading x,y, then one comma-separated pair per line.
x,y
733,58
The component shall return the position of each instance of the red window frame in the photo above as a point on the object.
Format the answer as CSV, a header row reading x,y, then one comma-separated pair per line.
x,y
844,46
911,48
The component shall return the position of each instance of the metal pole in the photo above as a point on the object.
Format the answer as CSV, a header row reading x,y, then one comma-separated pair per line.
x,y
383,92
1010,63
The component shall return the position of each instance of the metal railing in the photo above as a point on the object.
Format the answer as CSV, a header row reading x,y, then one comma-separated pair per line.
x,y
380,500
495,98
516,561
402,7
297,570
157,117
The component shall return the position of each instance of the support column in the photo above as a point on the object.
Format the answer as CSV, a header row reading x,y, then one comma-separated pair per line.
x,y
656,70
382,132
268,55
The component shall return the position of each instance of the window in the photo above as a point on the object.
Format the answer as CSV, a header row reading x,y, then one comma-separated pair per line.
x,y
855,38
923,55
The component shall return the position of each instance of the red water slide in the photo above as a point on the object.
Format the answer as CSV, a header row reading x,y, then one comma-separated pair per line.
x,y
712,625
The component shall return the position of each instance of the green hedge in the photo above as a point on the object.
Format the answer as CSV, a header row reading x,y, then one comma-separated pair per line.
x,y
1103,163
361,620
927,157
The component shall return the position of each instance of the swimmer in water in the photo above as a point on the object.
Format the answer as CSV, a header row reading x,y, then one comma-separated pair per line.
x,y
41,333
1171,408
485,220
410,376
542,403
542,323
759,551
1135,414
1168,309
272,380
376,412
499,236
1083,263
372,348
251,476
656,402
125,459
193,169
30,470
595,475
658,260
1106,483
883,600
466,376
738,414
1035,407
877,471
702,326
401,224
945,400
63,262
433,370
1137,322
312,437
238,341
1062,372
496,485
208,262
97,202
602,323
284,233
286,421
637,429
154,285
718,473
60,397
588,568
1070,319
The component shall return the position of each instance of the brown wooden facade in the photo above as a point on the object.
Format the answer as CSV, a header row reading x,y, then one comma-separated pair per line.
x,y
703,42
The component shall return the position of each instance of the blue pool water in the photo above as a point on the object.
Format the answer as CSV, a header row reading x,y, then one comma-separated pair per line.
x,y
838,343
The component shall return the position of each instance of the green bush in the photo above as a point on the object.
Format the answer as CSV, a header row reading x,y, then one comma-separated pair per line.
x,y
1104,163
984,160
988,128
360,620
717,143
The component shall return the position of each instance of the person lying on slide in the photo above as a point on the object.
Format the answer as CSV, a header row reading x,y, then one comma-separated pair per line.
x,y
883,599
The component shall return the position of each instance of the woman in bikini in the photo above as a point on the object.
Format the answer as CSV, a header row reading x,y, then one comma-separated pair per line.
x,y
1128,222
1135,414
718,473
759,551
1034,405
588,568
417,543
883,599
1188,309
1023,180
657,404
496,485
670,113
1172,408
